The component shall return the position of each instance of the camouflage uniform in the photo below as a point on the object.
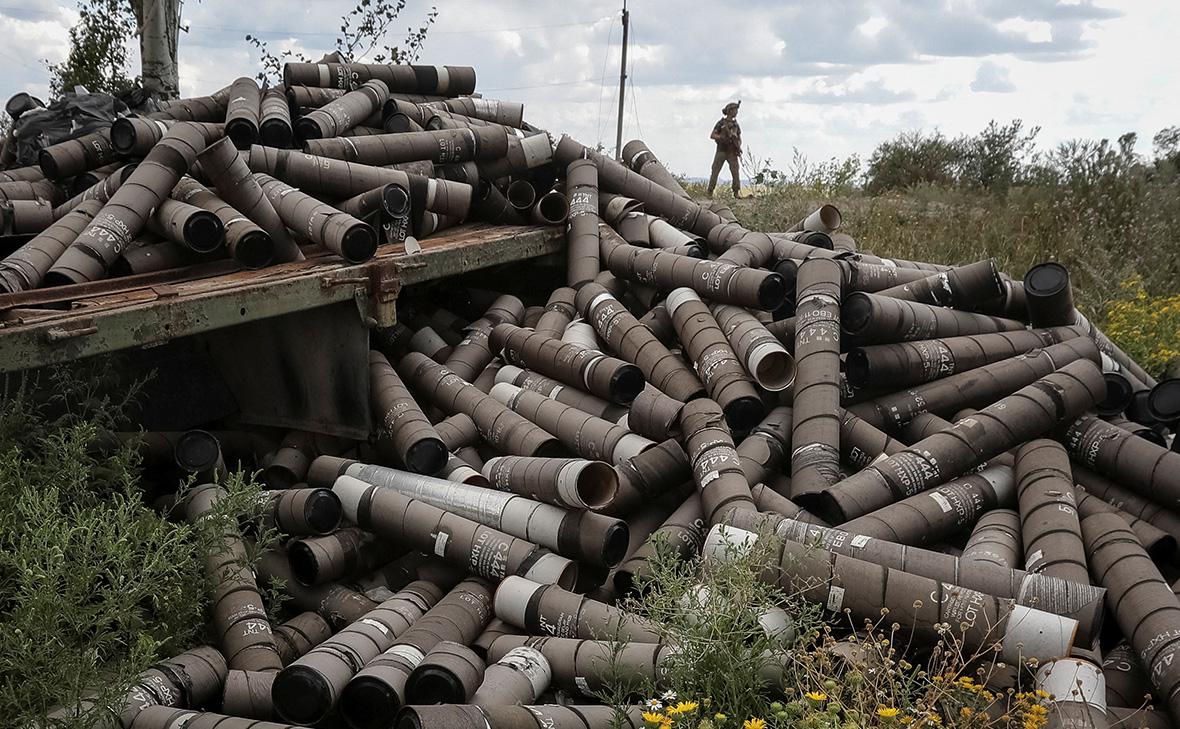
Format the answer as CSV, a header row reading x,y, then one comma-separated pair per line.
x,y
729,148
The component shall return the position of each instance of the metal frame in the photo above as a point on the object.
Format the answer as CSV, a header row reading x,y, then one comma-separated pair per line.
x,y
48,326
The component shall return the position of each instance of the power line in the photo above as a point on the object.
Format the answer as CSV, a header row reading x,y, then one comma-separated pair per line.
x,y
539,86
602,83
433,31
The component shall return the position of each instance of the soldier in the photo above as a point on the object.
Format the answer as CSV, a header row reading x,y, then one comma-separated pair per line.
x,y
728,136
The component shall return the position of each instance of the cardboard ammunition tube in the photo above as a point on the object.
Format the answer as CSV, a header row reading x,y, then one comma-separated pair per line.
x,y
1127,683
995,540
522,195
350,551
500,427
1142,602
305,691
648,475
765,359
1078,688
337,604
518,676
195,228
573,483
247,243
29,190
344,113
379,689
588,666
414,523
303,512
1050,300
1139,430
353,240
763,452
74,156
771,500
861,443
1049,522
583,262
25,217
239,621
449,673
299,635
815,460
582,535
864,589
655,415
1026,414
976,387
683,532
943,511
101,191
551,208
26,267
1135,505
291,461
721,372
605,376
580,333
590,437
876,319
247,694
209,108
242,111
552,716
472,354
825,218
414,439
1148,469
274,120
1164,401
1159,544
457,430
231,175
741,247
639,158
509,113
552,610
32,173
559,311
428,342
715,280
964,287
135,136
910,363
460,470
716,467
198,452
400,78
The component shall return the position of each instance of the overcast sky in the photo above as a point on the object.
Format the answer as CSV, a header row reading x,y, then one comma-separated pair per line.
x,y
830,78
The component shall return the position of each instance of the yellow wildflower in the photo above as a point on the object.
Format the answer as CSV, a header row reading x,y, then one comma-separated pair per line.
x,y
887,712
816,695
720,717
652,718
966,712
682,708
754,724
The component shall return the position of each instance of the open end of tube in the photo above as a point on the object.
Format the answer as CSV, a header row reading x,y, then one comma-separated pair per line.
x,y
243,133
830,215
552,449
322,511
397,123
48,164
820,240
408,719
435,686
359,243
304,567
1164,401
773,368
597,484
771,292
522,195
275,133
1163,549
553,208
744,413
1151,435
307,128
1046,279
279,476
122,136
1118,394
823,505
856,367
395,200
203,232
855,313
254,249
615,543
300,695
427,456
368,703
626,384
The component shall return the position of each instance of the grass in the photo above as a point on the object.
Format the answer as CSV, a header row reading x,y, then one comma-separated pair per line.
x,y
1122,249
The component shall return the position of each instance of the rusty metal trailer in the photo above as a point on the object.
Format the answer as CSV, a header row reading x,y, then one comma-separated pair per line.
x,y
47,326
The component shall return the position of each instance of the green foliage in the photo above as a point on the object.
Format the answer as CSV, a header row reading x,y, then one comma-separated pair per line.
x,y
94,585
914,158
98,57
363,31
994,158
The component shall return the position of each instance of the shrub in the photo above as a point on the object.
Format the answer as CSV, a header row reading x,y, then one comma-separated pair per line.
x,y
914,158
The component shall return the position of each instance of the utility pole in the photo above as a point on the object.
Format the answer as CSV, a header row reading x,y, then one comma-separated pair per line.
x,y
622,86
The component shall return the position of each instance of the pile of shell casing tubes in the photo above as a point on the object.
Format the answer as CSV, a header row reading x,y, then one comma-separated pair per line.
x,y
903,430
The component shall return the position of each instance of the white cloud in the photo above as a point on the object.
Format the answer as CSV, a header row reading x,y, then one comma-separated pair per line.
x,y
992,77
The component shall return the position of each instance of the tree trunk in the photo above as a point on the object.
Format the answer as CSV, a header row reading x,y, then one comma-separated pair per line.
x,y
159,26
